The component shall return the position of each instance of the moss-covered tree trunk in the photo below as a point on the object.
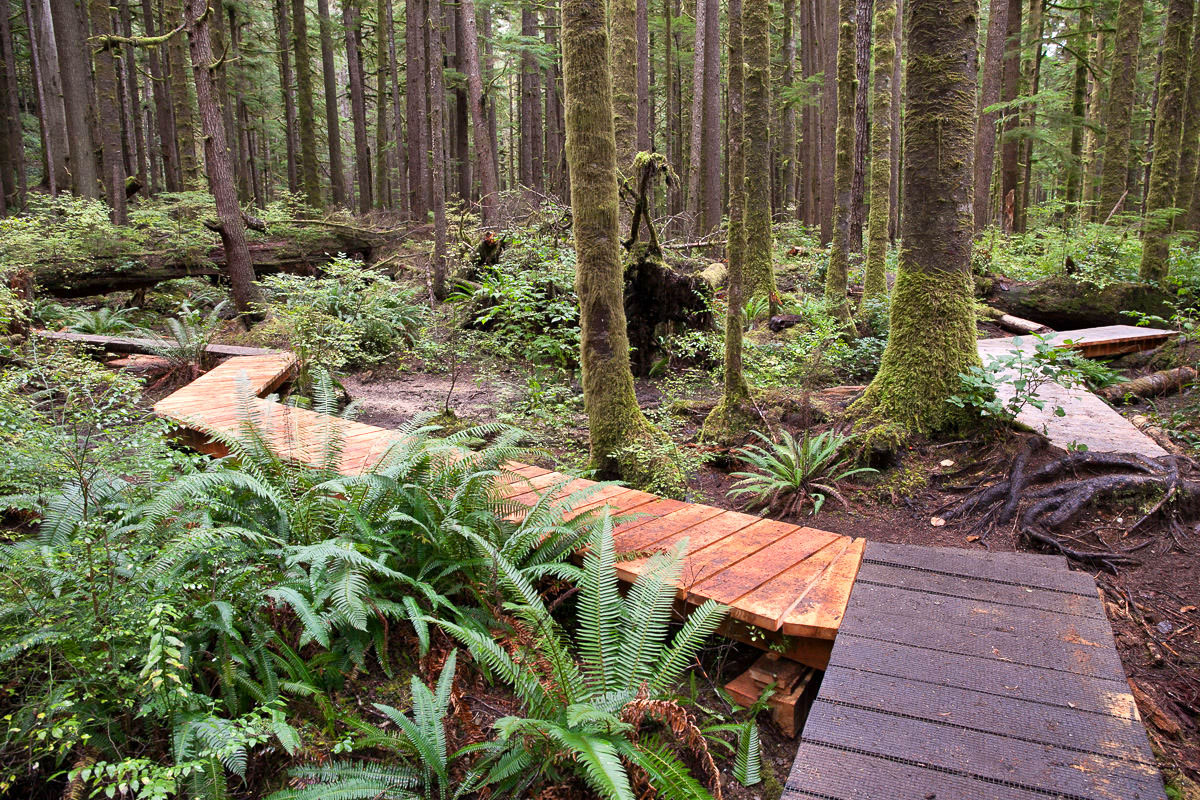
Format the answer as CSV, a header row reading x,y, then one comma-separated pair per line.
x,y
615,423
1118,112
933,312
1082,40
108,114
181,98
1189,143
1168,123
304,102
837,276
875,279
756,45
1010,146
731,417
623,42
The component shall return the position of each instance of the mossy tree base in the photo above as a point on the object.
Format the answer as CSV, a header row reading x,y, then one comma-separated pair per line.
x,y
730,421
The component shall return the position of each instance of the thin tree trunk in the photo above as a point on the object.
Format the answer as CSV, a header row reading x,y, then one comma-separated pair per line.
x,y
787,128
437,129
1118,114
1010,146
837,276
216,158
108,113
623,41
333,131
306,106
400,187
1091,139
1189,143
1037,31
382,193
674,191
644,119
164,115
1082,40
485,159
932,337
222,43
731,418
828,21
555,164
352,21
711,143
897,97
137,151
875,278
862,123
283,30
51,115
695,182
759,278
462,139
989,95
16,184
1168,122
416,97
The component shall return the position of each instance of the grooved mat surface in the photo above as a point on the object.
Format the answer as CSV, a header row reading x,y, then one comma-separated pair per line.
x,y
786,579
959,676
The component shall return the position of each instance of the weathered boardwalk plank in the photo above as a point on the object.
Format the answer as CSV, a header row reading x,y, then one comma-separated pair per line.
x,y
782,578
964,695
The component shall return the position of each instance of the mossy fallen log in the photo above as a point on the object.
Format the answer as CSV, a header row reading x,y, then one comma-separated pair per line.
x,y
1155,383
130,271
1064,303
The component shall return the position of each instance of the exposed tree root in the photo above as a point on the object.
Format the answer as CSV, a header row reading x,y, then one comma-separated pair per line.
x,y
1044,499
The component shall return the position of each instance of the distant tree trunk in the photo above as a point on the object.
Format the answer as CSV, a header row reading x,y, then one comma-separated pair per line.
x,y
216,158
897,101
672,87
382,190
624,45
830,39
731,417
337,178
694,178
989,95
51,115
1189,143
644,119
306,106
416,97
462,114
875,278
1082,40
221,44
529,99
1091,139
862,124
352,21
76,75
1168,122
1010,153
1118,114
1037,32
759,274
138,152
555,158
614,420
437,129
181,97
837,276
400,187
16,180
787,127
283,29
711,143
932,336
108,113
485,160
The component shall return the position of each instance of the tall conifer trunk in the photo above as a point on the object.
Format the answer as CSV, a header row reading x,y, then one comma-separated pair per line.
x,y
15,186
875,279
437,131
989,95
485,158
1082,41
837,276
1168,122
416,98
1118,113
48,85
352,21
932,336
306,106
862,122
1189,142
1010,150
108,113
756,37
286,89
333,132
76,76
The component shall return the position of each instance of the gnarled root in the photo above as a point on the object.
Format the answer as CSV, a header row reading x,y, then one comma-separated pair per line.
x,y
1057,492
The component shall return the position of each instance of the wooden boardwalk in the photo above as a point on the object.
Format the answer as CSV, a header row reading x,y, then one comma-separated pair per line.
x,y
1088,420
973,676
779,579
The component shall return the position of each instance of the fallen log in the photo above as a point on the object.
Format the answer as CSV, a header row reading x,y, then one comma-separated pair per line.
x,y
1018,325
129,271
1065,303
1156,383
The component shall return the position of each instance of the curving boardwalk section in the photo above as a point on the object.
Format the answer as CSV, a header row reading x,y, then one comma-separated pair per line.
x,y
779,579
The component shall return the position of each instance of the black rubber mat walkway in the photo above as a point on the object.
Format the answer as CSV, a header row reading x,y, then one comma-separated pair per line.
x,y
973,676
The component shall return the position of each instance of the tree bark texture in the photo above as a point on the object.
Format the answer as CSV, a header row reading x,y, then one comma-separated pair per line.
x,y
875,277
759,277
306,106
75,73
989,95
837,276
337,178
485,160
1118,113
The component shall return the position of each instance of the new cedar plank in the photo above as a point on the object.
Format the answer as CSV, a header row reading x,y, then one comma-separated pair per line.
x,y
698,538
760,568
1090,659
821,611
657,509
560,492
1007,594
706,558
975,614
536,483
627,500
1117,737
825,773
979,565
986,674
986,755
643,535
766,606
